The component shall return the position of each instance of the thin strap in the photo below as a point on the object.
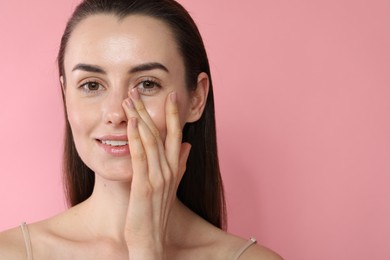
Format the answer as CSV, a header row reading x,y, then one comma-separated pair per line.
x,y
244,248
27,241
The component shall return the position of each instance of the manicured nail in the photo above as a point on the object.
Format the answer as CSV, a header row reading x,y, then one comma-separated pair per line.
x,y
129,103
135,93
173,97
134,122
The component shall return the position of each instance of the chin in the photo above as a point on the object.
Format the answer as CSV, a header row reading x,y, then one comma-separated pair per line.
x,y
116,176
120,172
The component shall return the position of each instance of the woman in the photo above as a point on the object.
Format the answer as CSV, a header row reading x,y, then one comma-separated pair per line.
x,y
141,168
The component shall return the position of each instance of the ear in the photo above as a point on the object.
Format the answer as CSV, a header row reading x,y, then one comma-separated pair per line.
x,y
199,98
62,84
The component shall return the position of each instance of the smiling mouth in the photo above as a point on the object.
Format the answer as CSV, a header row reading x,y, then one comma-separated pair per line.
x,y
114,143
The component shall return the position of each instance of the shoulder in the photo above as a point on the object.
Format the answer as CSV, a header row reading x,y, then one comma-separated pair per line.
x,y
225,245
12,244
219,244
256,252
249,250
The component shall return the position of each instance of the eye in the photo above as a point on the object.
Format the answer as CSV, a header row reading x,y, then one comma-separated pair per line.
x,y
91,86
148,86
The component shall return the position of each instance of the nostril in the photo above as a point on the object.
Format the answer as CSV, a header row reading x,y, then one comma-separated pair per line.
x,y
115,116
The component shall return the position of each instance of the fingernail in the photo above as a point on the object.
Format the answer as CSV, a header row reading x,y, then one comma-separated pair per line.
x,y
129,103
173,97
134,122
134,93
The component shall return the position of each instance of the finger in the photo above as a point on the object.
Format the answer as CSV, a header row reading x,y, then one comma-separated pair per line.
x,y
143,113
138,155
168,186
184,153
174,131
147,156
141,190
147,188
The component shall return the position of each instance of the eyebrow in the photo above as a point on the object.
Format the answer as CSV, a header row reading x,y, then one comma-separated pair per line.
x,y
139,68
89,68
148,66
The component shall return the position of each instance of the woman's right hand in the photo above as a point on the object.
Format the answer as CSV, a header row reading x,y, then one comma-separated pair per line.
x,y
157,170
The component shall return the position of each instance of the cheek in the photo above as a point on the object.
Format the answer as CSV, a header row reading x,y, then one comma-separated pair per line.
x,y
156,110
79,121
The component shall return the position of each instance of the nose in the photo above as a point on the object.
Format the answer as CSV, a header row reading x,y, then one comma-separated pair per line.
x,y
113,112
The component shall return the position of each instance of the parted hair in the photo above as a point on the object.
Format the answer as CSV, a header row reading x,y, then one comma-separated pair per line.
x,y
201,187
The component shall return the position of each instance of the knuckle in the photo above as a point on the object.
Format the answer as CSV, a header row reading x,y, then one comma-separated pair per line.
x,y
151,141
136,149
174,111
141,108
146,190
139,156
158,184
134,137
155,132
168,178
177,134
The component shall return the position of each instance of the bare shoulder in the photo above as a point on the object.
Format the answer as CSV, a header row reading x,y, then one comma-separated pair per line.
x,y
256,252
249,250
12,244
219,244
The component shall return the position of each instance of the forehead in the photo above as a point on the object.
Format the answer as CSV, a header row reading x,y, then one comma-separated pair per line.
x,y
133,39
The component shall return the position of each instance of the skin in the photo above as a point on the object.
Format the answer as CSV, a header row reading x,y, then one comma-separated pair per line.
x,y
133,211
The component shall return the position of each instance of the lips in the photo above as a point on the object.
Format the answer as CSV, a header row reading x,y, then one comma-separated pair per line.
x,y
116,145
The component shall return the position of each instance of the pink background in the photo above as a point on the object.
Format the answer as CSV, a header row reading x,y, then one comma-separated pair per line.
x,y
303,111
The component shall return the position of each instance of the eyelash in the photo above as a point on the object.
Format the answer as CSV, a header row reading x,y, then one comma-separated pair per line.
x,y
156,86
151,90
84,86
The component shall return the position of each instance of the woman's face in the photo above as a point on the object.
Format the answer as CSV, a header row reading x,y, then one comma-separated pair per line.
x,y
104,59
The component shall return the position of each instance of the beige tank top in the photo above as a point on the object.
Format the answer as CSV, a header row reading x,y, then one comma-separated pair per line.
x,y
27,242
244,248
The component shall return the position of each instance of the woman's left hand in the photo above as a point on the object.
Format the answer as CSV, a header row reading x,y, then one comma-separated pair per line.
x,y
157,170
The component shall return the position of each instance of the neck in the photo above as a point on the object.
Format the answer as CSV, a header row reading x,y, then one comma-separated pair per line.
x,y
106,210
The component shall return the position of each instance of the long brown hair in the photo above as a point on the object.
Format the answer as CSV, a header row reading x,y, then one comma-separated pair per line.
x,y
201,188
